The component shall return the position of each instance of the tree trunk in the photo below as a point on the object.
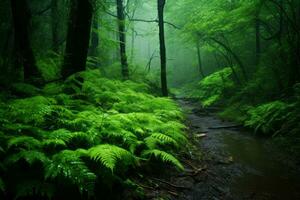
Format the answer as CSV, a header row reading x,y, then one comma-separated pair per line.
x,y
94,43
132,43
163,60
122,38
234,73
95,37
237,59
22,47
78,37
200,60
258,41
55,25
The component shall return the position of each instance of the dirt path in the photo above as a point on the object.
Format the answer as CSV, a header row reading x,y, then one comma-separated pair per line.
x,y
226,162
239,165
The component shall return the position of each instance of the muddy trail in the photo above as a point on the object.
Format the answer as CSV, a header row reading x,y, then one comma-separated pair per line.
x,y
228,162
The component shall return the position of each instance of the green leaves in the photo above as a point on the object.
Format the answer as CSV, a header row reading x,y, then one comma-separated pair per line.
x,y
212,88
163,156
29,156
268,117
69,165
98,131
30,110
23,142
109,155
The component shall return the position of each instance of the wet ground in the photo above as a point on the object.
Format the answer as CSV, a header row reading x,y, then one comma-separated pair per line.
x,y
234,164
239,164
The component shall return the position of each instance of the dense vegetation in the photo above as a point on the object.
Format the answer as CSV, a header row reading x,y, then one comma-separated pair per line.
x,y
84,107
89,135
248,60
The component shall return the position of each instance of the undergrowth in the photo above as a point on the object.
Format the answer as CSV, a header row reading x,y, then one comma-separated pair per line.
x,y
84,139
212,89
256,104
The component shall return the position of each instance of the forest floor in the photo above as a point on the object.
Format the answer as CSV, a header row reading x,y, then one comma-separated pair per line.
x,y
226,161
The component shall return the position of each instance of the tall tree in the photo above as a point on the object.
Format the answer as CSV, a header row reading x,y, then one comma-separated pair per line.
x,y
55,25
22,47
122,38
258,31
95,36
163,60
78,37
199,59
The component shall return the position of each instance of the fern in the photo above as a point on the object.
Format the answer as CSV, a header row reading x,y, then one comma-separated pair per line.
x,y
24,142
60,134
69,165
163,156
26,90
109,155
267,117
80,140
29,156
164,139
53,144
99,128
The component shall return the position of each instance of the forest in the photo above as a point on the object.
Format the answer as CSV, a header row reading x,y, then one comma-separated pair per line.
x,y
150,99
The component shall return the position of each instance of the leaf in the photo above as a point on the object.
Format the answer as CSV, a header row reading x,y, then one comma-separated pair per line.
x,y
163,156
109,155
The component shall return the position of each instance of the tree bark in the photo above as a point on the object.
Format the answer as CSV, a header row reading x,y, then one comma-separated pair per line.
x,y
199,60
95,37
55,25
163,60
22,47
78,37
257,40
94,43
122,38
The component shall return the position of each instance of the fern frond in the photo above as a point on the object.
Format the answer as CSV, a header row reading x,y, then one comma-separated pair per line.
x,y
60,134
163,156
80,140
30,110
24,142
109,155
54,144
164,139
29,156
69,165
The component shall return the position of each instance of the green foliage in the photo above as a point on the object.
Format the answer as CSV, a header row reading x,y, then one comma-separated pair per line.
x,y
30,157
30,110
109,155
23,142
99,128
50,66
268,117
212,89
68,164
25,89
163,156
